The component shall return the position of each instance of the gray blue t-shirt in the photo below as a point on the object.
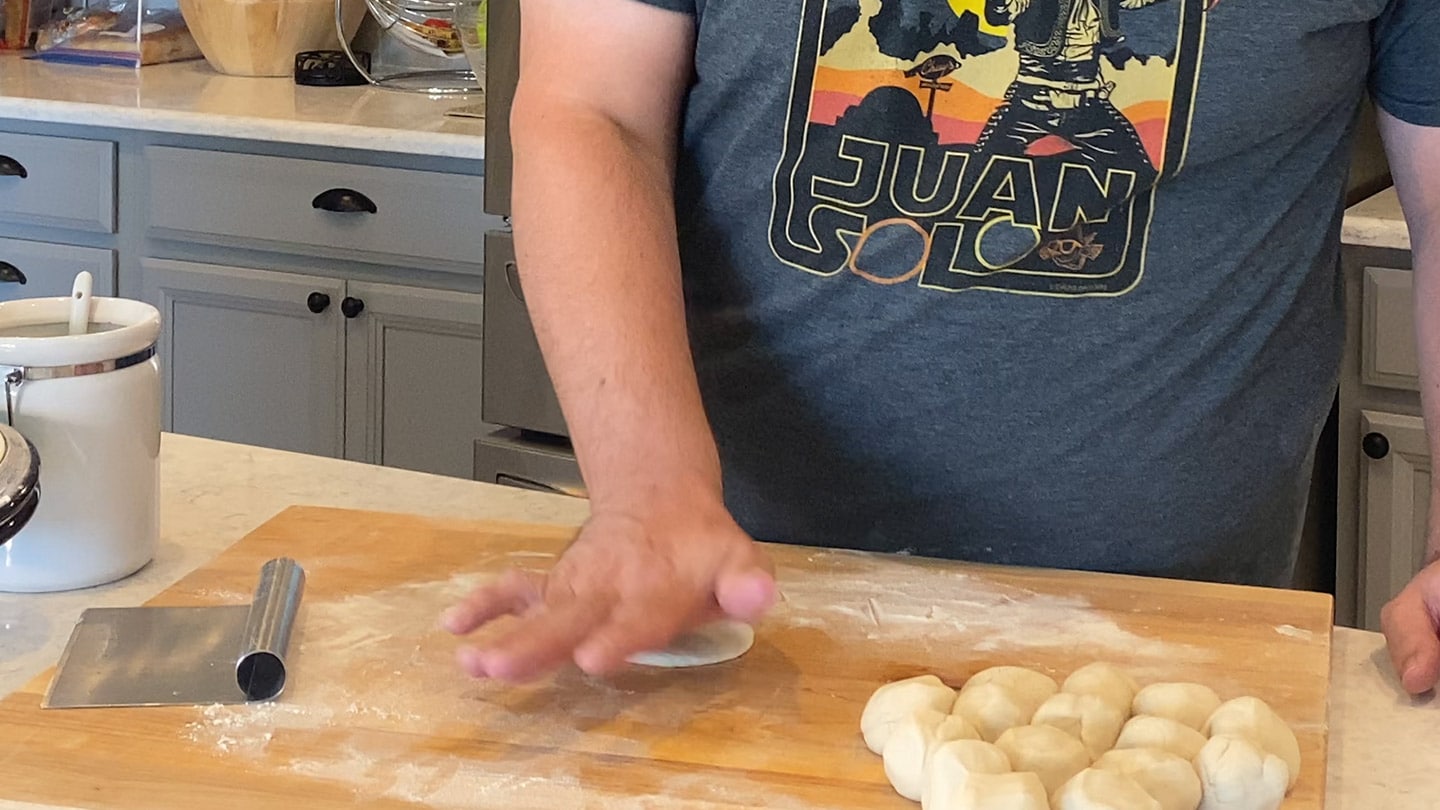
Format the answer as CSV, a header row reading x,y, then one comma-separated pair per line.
x,y
1034,282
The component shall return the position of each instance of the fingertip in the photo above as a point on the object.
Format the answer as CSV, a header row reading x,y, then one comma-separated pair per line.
x,y
1421,671
456,620
510,669
748,595
598,658
1410,631
471,661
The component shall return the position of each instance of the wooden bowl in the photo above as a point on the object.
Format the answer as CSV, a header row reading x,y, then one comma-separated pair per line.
x,y
261,37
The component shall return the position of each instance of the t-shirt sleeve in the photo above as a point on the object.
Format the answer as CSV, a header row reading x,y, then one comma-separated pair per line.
x,y
685,6
1405,66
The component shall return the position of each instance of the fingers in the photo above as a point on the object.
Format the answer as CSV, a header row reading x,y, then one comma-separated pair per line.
x,y
745,587
617,591
637,628
538,644
513,593
1410,631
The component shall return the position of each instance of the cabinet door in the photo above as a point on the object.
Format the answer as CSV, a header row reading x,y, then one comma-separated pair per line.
x,y
1389,356
245,359
49,270
1395,479
413,382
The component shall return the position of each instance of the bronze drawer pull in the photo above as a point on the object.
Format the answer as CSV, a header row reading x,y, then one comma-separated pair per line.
x,y
10,167
344,201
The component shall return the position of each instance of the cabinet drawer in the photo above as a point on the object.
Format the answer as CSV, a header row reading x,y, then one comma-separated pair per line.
x,y
49,270
1388,356
58,182
308,206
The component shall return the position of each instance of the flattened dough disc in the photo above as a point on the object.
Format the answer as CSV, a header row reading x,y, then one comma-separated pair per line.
x,y
713,643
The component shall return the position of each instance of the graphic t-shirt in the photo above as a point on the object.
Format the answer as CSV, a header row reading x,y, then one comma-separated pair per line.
x,y
1034,282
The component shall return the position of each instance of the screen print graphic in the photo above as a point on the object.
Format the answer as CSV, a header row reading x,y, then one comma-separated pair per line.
x,y
1004,145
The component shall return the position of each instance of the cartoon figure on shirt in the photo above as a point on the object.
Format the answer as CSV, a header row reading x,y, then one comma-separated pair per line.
x,y
1059,92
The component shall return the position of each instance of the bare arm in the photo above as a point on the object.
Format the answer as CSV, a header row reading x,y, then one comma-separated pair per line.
x,y
595,126
1410,621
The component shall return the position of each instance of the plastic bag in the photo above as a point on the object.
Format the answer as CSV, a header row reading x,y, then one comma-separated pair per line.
x,y
118,35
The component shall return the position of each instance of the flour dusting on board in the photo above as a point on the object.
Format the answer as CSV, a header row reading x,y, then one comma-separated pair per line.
x,y
928,603
370,664
436,782
1291,631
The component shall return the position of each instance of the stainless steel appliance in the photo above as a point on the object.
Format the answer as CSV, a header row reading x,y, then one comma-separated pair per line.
x,y
532,449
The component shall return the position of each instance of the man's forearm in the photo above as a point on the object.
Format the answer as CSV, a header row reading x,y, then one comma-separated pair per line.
x,y
596,243
1414,156
1427,334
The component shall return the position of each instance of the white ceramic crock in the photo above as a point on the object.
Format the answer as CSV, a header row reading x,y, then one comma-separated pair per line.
x,y
90,405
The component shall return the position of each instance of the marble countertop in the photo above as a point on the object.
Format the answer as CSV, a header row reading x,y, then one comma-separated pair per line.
x,y
1382,743
191,98
1377,222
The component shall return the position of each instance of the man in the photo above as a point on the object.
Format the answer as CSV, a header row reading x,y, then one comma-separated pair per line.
x,y
890,334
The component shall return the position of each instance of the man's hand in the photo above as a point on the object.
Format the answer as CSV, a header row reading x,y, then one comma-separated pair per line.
x,y
626,585
1410,623
1411,620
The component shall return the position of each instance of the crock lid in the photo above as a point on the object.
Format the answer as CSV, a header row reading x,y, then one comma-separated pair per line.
x,y
19,482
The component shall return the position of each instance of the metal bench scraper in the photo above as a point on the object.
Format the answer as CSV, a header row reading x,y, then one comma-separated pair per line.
x,y
182,656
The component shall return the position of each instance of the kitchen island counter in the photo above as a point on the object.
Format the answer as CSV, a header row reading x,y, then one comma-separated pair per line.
x,y
1377,221
213,493
189,98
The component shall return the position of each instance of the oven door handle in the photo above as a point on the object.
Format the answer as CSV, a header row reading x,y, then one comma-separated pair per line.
x,y
512,280
505,479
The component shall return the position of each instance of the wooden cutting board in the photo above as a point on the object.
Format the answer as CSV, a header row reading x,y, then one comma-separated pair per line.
x,y
376,715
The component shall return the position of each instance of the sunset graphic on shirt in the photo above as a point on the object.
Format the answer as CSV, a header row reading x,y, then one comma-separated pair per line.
x,y
1001,145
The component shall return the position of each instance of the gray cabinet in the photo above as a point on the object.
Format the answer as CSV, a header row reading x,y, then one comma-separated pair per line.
x,y
317,207
1395,492
379,373
48,270
245,359
413,360
1384,481
57,182
317,300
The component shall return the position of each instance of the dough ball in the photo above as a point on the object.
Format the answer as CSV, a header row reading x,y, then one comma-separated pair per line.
x,y
913,737
951,763
998,791
1149,731
1087,718
1096,789
1105,681
1252,719
1168,779
1237,775
1047,751
713,643
894,701
1189,704
1030,688
992,709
